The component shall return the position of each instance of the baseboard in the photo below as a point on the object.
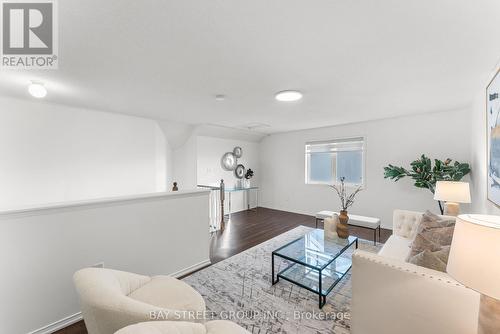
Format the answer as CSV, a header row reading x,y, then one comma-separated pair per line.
x,y
189,270
70,320
55,326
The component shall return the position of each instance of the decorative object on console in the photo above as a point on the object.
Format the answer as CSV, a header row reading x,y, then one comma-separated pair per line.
x,y
229,161
239,172
452,193
431,246
474,263
238,152
248,176
330,226
346,201
493,141
175,188
425,175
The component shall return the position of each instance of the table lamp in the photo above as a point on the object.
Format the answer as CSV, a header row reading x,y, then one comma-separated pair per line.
x,y
474,262
452,193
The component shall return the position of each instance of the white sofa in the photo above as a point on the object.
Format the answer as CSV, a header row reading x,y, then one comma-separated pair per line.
x,y
391,296
112,299
181,327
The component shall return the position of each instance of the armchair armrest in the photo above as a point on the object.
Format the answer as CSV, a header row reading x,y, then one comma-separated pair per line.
x,y
393,297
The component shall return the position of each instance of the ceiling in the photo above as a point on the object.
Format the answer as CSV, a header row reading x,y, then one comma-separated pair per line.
x,y
354,60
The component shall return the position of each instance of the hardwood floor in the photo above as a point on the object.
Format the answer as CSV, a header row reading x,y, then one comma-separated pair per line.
x,y
77,328
247,229
250,228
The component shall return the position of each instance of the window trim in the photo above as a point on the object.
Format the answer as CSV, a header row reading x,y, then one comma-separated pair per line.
x,y
363,163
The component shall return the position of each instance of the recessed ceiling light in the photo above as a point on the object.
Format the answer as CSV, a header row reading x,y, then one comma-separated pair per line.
x,y
288,96
220,97
37,90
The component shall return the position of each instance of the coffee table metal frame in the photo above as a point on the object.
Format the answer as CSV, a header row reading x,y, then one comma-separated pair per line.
x,y
319,292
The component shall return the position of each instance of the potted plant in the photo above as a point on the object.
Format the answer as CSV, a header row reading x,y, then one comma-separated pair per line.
x,y
248,176
425,175
346,201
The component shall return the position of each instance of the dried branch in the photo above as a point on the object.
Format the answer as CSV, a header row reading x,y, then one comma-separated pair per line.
x,y
346,201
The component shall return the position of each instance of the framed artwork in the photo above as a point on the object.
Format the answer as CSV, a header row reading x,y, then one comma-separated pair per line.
x,y
493,138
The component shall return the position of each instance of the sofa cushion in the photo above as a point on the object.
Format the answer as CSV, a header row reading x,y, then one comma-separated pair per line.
x,y
431,245
396,247
170,293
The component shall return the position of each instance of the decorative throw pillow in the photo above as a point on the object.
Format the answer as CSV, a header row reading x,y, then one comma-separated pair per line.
x,y
429,260
431,245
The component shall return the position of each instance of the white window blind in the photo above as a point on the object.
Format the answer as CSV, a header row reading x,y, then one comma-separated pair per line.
x,y
328,161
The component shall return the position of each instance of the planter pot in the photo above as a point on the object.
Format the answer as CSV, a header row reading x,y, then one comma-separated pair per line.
x,y
246,183
342,228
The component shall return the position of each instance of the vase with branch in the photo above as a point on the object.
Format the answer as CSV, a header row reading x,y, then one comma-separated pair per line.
x,y
346,201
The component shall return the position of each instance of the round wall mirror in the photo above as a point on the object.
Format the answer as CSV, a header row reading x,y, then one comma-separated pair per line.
x,y
228,161
239,172
238,152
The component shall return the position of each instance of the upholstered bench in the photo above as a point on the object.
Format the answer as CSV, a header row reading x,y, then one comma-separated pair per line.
x,y
354,220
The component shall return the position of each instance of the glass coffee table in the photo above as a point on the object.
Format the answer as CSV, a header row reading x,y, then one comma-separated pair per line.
x,y
315,262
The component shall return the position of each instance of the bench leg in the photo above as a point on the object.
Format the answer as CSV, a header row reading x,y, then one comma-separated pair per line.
x,y
375,237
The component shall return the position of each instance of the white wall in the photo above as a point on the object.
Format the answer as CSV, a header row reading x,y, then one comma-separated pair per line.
x,y
397,141
185,164
41,249
210,172
54,153
480,203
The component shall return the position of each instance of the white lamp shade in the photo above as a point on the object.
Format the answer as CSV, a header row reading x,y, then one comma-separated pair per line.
x,y
475,253
451,191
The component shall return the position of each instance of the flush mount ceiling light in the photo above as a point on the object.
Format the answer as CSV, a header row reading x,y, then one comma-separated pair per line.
x,y
220,97
37,89
288,96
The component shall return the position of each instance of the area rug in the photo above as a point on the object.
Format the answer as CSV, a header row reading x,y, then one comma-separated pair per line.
x,y
239,289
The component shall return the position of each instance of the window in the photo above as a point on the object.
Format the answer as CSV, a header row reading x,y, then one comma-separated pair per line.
x,y
327,162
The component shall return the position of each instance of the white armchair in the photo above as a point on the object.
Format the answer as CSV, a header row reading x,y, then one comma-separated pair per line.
x,y
391,296
178,327
111,299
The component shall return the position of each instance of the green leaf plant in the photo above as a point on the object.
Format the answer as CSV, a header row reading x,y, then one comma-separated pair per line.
x,y
425,175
